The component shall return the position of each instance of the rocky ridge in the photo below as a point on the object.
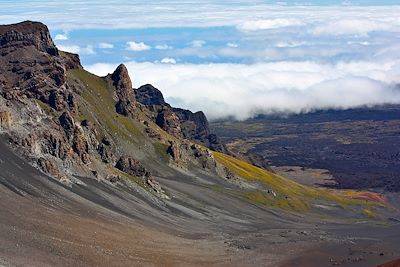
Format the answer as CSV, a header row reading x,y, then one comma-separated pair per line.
x,y
45,89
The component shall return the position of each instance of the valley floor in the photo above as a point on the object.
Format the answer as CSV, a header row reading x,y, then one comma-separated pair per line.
x,y
44,223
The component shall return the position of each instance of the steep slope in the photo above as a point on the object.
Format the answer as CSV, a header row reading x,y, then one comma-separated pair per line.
x,y
114,156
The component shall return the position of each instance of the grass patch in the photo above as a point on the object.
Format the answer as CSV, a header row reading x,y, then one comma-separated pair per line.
x,y
99,94
289,195
161,149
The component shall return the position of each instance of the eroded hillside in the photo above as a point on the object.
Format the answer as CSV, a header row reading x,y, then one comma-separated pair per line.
x,y
95,151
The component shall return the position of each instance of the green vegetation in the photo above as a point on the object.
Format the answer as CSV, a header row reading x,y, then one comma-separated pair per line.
x,y
46,108
288,195
161,150
99,94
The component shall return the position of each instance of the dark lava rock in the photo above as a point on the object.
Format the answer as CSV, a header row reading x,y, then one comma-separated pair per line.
x,y
178,122
105,154
67,123
132,166
30,64
56,100
47,166
113,178
28,33
55,145
71,61
149,96
125,94
169,122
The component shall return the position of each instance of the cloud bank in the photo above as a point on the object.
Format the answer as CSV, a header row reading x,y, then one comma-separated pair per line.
x,y
247,15
242,91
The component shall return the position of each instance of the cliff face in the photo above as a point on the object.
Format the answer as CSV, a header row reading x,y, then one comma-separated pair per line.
x,y
26,34
68,121
31,66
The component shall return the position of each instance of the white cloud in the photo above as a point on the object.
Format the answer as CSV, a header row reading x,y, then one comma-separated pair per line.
x,y
88,50
70,48
232,45
351,26
197,43
168,60
61,37
242,91
289,44
106,45
140,46
61,15
163,47
266,24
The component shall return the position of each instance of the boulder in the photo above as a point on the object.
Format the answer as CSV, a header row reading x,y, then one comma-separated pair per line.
x,y
132,166
47,166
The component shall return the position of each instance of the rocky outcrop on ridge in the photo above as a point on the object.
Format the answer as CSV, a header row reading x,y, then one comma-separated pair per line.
x,y
124,92
46,95
176,121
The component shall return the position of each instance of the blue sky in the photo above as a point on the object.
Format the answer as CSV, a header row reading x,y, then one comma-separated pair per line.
x,y
235,58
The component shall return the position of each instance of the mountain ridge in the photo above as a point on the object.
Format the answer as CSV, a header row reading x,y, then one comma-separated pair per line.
x,y
111,153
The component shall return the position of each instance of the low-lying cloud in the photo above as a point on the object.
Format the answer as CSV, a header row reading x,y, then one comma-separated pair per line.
x,y
266,24
352,27
242,91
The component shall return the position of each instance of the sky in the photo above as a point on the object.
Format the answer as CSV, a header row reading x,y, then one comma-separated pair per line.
x,y
235,58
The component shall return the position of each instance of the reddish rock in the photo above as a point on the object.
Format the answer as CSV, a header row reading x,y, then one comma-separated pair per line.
x,y
48,166
394,263
174,151
80,145
30,63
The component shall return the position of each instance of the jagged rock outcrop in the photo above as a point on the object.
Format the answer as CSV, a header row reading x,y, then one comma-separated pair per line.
x,y
132,166
55,145
151,97
28,33
64,134
126,102
174,151
135,168
105,154
71,61
169,122
47,166
80,145
179,122
67,123
30,63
